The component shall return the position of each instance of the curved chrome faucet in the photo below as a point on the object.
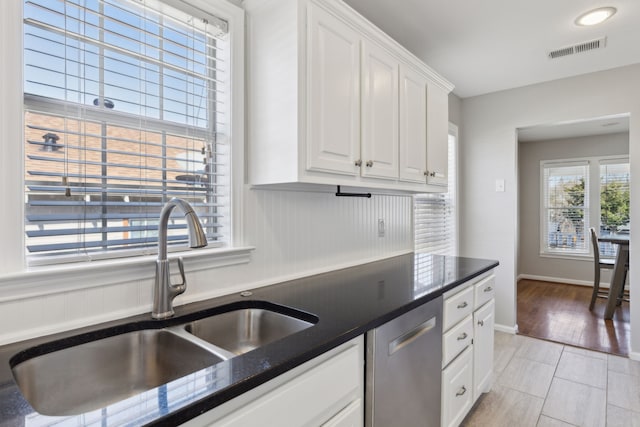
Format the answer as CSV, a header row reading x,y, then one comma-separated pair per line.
x,y
163,291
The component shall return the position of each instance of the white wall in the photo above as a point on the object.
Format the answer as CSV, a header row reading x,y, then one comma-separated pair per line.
x,y
295,234
489,152
530,263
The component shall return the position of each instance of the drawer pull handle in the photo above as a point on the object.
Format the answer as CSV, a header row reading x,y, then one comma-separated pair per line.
x,y
462,336
488,289
462,391
463,305
481,322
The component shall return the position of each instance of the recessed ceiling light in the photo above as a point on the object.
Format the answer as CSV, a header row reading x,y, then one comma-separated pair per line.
x,y
595,16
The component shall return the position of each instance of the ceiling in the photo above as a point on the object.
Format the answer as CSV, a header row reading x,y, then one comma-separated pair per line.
x,y
491,45
575,129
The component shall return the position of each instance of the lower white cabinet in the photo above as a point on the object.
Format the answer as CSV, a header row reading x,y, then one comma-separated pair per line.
x,y
457,388
327,390
467,347
483,321
351,416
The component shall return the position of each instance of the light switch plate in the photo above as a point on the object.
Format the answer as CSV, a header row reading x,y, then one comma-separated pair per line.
x,y
500,185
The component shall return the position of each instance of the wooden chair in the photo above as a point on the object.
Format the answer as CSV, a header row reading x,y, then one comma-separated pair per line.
x,y
599,264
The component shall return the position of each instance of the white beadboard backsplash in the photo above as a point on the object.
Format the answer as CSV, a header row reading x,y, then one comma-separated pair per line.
x,y
295,233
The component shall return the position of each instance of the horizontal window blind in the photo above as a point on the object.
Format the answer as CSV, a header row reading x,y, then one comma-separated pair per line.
x,y
614,201
565,208
435,214
125,108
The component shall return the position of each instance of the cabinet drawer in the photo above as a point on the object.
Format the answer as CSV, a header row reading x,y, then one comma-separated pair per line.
x,y
351,416
308,399
457,307
457,391
456,340
484,291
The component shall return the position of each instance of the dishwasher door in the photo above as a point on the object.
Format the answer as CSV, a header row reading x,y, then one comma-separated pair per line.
x,y
403,369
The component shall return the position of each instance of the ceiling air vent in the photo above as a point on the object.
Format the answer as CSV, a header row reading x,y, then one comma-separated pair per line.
x,y
578,48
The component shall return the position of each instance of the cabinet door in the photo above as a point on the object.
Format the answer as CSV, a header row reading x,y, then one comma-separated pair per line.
x,y
413,125
457,389
483,349
333,81
437,135
379,112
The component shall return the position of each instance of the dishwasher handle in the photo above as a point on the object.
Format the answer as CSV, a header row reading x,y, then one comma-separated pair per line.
x,y
409,337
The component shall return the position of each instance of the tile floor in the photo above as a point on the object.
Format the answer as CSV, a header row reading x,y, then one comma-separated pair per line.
x,y
541,384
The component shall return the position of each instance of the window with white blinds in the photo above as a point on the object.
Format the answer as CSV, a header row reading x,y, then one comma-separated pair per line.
x,y
614,201
125,107
435,216
565,212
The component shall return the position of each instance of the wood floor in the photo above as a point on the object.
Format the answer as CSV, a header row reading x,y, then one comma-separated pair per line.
x,y
560,312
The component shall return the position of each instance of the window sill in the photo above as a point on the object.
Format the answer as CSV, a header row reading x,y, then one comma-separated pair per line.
x,y
573,257
48,280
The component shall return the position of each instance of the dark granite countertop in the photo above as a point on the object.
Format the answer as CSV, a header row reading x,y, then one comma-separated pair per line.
x,y
347,302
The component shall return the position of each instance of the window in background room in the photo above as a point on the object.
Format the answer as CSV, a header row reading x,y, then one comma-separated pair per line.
x,y
124,108
435,214
565,208
614,201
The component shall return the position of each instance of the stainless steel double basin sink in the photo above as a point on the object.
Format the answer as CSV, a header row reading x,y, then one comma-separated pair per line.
x,y
73,379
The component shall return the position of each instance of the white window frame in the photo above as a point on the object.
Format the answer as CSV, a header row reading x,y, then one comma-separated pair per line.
x,y
16,278
593,210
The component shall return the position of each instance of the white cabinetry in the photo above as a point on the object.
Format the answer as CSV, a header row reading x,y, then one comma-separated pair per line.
x,y
327,94
467,352
379,112
328,389
437,135
457,394
483,349
334,94
413,125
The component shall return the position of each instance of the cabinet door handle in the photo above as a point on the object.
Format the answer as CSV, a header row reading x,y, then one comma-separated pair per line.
x,y
369,163
463,304
358,163
462,391
481,322
433,174
426,173
462,336
488,289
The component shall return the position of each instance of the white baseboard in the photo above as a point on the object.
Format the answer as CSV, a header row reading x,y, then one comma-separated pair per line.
x,y
634,355
507,329
561,280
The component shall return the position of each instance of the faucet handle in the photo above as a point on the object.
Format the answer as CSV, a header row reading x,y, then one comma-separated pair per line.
x,y
180,287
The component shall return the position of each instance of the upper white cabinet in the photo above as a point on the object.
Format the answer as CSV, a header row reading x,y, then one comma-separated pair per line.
x,y
379,109
333,100
413,125
334,94
437,134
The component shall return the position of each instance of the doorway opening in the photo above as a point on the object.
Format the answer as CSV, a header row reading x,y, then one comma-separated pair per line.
x,y
572,176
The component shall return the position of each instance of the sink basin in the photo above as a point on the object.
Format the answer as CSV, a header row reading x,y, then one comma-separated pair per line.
x,y
243,330
95,374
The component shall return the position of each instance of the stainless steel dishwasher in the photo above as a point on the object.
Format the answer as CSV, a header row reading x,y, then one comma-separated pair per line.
x,y
403,369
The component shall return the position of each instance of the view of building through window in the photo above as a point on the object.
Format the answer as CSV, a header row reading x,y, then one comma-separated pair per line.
x,y
124,109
